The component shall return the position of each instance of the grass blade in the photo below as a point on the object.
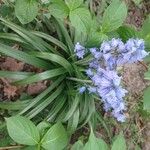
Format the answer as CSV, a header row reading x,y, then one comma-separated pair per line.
x,y
57,106
66,35
13,37
15,75
56,58
46,102
22,56
13,105
32,39
41,76
42,95
73,107
73,122
51,39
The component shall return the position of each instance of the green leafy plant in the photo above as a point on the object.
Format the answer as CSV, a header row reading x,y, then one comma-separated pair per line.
x,y
97,143
26,10
23,131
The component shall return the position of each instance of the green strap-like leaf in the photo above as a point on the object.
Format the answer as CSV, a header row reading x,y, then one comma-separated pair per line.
x,y
14,105
65,35
51,39
11,36
146,99
91,110
45,102
73,107
56,58
57,106
15,75
22,56
32,39
41,76
73,122
42,95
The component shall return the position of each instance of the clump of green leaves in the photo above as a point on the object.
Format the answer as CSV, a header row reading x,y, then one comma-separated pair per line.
x,y
97,143
23,131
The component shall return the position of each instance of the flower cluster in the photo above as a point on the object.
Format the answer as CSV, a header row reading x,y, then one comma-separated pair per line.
x,y
102,71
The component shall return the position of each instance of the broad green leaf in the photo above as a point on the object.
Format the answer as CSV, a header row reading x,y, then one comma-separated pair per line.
x,y
73,4
26,10
146,99
95,39
95,143
5,10
45,1
77,146
56,138
145,31
119,143
114,16
137,2
43,126
22,130
29,148
81,19
126,32
59,9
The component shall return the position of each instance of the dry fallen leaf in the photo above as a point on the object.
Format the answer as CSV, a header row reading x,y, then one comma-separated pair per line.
x,y
10,91
36,88
12,64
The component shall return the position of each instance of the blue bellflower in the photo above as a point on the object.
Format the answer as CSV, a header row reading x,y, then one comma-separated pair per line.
x,y
107,85
79,50
135,50
113,53
82,89
109,89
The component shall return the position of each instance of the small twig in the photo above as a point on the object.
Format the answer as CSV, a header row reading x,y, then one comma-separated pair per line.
x,y
143,64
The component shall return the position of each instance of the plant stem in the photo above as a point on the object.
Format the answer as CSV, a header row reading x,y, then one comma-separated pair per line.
x,y
39,146
11,147
79,80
